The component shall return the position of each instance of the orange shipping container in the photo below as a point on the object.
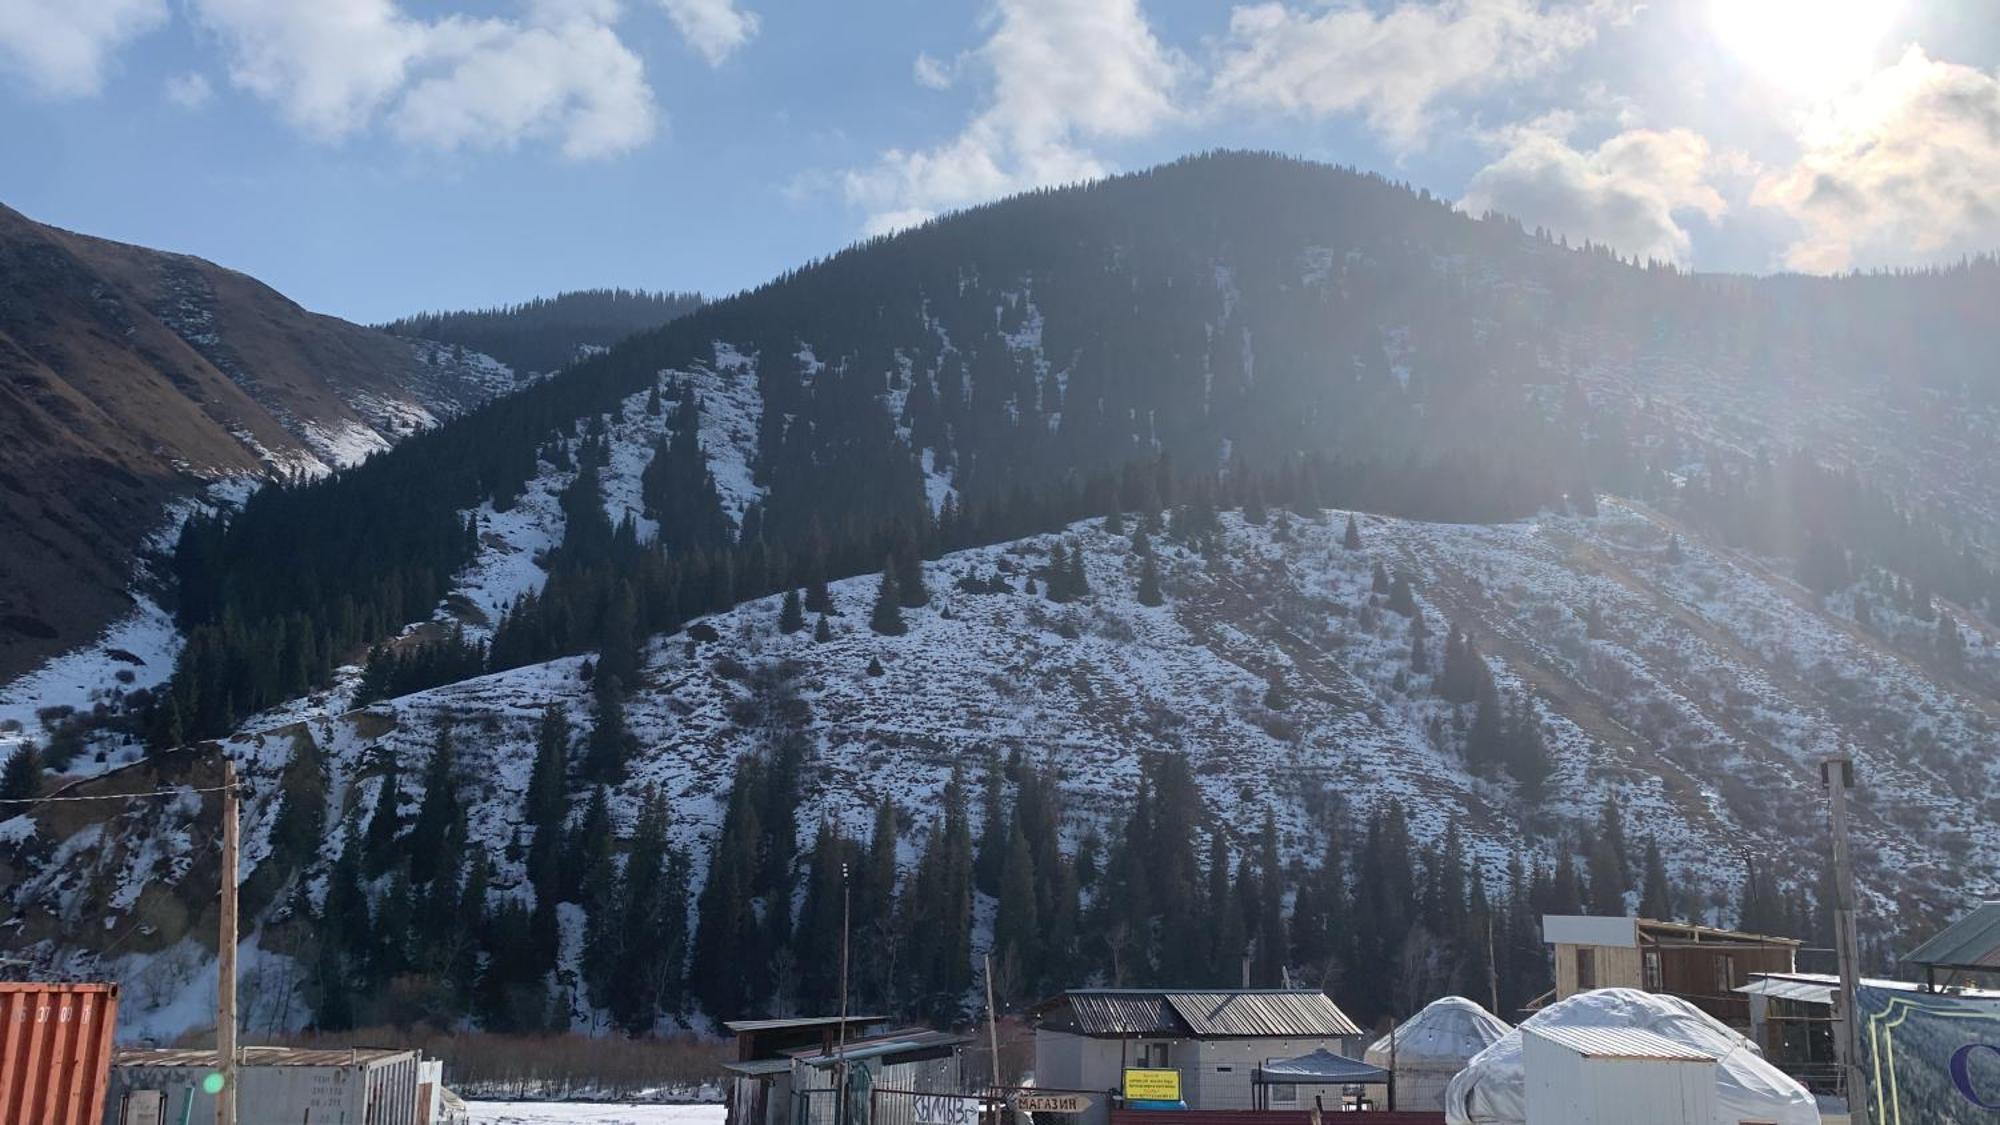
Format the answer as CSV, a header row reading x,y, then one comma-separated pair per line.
x,y
55,1052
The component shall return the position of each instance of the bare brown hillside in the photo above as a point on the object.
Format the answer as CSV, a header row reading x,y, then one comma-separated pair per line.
x,y
130,376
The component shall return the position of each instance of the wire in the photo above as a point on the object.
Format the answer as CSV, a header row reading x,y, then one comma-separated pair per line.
x,y
111,796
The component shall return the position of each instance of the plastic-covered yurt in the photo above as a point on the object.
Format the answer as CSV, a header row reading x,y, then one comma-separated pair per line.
x,y
1431,1047
1492,1089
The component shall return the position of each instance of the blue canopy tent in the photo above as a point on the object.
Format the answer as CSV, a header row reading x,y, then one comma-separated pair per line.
x,y
1319,1068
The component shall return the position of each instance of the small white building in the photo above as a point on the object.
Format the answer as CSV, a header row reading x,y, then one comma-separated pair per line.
x,y
1086,1038
1615,1076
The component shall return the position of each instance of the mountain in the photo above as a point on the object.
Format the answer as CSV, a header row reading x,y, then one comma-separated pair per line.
x,y
547,333
1242,554
131,378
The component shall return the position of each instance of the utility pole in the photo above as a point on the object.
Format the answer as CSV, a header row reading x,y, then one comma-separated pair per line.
x,y
225,954
992,1026
1836,773
840,1065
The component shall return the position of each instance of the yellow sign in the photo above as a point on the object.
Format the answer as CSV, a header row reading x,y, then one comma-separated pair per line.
x,y
1152,1085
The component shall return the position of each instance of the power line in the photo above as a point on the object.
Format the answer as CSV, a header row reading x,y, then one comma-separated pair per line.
x,y
113,796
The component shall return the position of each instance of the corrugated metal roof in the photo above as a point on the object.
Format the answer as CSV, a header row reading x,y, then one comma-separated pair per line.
x,y
1212,1014
259,1056
740,1026
902,1039
1242,1015
1972,942
1786,988
757,1068
1124,1013
1620,1043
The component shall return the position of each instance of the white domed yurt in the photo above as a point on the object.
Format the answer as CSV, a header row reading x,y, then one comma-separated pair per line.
x,y
1426,1050
1493,1088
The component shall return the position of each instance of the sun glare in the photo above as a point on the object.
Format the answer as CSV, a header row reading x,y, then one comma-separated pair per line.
x,y
1805,46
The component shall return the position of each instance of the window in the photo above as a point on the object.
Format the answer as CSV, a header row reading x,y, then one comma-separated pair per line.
x,y
1655,977
1284,1095
1154,1056
1586,968
1725,973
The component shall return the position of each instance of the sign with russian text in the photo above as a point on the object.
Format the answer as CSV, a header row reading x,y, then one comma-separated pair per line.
x,y
1052,1103
1931,1058
1152,1085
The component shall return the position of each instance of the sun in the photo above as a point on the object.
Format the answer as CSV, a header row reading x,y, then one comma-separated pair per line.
x,y
1805,47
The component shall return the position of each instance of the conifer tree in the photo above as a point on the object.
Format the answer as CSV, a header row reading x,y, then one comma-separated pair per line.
x,y
436,814
344,913
1114,522
1420,661
888,616
547,799
1273,951
816,942
1401,599
1149,582
1379,581
610,744
1655,896
379,851
1058,584
618,661
1078,581
300,828
1228,942
791,616
726,935
991,857
1016,925
907,561
875,913
1351,539
822,631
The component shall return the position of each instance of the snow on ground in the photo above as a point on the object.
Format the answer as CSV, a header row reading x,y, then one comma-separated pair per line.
x,y
1696,689
343,445
136,652
593,1113
511,547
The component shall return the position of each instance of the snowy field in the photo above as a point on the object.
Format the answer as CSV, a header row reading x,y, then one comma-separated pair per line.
x,y
592,1113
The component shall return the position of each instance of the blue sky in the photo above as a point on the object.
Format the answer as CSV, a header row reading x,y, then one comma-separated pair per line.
x,y
374,157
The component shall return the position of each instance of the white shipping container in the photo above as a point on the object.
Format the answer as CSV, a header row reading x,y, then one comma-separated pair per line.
x,y
1615,1076
275,1086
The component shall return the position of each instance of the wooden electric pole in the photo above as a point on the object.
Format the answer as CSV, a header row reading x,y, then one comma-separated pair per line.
x,y
992,1026
840,1064
1836,773
225,955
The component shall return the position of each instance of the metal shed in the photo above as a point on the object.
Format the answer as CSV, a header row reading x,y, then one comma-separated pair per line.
x,y
1615,1076
275,1086
1969,945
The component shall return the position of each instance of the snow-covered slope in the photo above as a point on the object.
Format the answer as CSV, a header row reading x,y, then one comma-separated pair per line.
x,y
1697,689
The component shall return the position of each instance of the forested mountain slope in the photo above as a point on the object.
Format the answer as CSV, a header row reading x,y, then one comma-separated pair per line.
x,y
547,333
1700,531
130,377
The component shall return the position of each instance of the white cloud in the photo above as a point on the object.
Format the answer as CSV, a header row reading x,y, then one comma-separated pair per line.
x,y
189,91
61,47
716,28
932,74
335,67
1064,73
1392,67
1902,170
1627,193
